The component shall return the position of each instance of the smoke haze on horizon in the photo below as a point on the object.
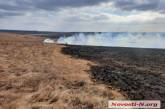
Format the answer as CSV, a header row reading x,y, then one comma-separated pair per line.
x,y
140,40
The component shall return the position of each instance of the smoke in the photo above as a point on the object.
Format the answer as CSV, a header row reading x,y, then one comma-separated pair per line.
x,y
141,40
49,41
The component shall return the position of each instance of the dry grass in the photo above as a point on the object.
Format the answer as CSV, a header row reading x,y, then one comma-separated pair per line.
x,y
38,76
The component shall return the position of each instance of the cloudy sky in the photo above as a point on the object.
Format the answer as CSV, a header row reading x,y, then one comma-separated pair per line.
x,y
83,15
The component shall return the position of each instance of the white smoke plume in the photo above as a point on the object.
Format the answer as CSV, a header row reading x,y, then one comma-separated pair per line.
x,y
49,41
140,40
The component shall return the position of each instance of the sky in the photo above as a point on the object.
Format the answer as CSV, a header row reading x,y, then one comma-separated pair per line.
x,y
83,15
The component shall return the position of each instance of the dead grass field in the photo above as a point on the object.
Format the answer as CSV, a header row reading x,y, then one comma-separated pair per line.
x,y
34,75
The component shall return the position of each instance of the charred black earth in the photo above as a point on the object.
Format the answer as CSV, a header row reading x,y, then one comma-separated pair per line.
x,y
137,73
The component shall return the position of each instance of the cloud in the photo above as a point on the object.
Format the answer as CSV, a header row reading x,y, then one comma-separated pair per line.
x,y
102,14
13,7
50,5
45,4
83,15
4,14
54,4
143,5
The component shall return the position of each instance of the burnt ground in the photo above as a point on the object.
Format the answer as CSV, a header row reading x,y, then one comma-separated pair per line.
x,y
137,73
